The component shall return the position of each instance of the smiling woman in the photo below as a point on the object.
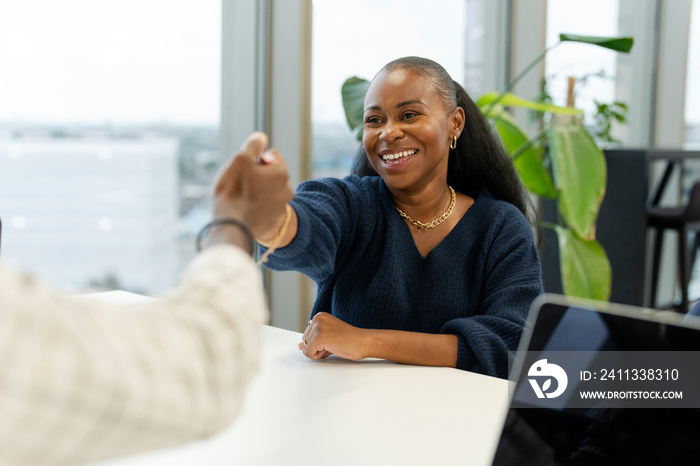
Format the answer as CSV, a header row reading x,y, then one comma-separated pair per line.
x,y
343,33
427,256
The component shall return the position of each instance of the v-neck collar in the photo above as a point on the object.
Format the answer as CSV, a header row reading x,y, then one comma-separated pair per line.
x,y
401,234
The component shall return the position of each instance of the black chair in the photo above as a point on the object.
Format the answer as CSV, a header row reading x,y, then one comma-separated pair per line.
x,y
683,219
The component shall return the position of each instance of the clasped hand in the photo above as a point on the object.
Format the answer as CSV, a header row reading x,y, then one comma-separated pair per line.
x,y
326,335
254,187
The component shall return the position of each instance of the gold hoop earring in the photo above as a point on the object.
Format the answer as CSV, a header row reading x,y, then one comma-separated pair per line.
x,y
453,142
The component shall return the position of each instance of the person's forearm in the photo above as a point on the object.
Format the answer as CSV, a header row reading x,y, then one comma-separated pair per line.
x,y
153,376
412,348
228,234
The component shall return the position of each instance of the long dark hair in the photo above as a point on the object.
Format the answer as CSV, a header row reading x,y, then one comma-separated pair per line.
x,y
480,160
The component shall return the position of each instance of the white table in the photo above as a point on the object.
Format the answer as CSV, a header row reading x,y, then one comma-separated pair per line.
x,y
338,412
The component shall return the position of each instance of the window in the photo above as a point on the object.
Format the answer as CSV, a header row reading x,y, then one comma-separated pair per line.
x,y
594,68
109,116
692,89
357,38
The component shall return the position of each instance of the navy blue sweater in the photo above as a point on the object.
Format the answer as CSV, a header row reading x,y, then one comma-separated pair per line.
x,y
477,284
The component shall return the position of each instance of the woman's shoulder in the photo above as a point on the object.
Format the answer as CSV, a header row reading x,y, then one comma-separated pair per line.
x,y
349,180
486,200
352,186
495,212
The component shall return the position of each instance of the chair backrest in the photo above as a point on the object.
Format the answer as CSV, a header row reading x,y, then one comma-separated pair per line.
x,y
692,211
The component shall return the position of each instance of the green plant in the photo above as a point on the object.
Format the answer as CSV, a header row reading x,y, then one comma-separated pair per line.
x,y
605,115
562,162
598,122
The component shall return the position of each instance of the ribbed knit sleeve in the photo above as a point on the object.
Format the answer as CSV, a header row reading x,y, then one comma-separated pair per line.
x,y
328,213
511,281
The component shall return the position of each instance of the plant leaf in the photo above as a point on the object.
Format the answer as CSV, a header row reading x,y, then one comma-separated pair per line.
x,y
511,100
619,44
353,92
585,268
580,174
533,173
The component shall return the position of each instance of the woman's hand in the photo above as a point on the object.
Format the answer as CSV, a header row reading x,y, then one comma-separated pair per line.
x,y
326,335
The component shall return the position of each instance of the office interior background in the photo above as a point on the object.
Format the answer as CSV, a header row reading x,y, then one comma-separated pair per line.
x,y
115,115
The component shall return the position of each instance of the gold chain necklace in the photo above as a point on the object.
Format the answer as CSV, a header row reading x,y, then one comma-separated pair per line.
x,y
437,221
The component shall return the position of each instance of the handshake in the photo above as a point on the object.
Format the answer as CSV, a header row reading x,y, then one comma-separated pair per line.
x,y
252,193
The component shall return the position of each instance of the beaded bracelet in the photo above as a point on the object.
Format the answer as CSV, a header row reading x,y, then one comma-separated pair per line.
x,y
226,221
274,242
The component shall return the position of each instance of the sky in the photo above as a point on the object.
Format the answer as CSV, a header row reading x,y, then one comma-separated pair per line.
x,y
128,61
144,61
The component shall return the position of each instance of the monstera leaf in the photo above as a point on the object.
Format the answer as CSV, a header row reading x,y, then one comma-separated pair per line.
x,y
511,100
585,268
580,174
618,44
353,92
529,161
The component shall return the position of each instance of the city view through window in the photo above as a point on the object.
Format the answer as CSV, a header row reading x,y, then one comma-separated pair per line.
x,y
108,138
692,89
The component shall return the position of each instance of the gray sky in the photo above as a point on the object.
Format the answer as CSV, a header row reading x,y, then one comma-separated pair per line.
x,y
138,61
120,60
